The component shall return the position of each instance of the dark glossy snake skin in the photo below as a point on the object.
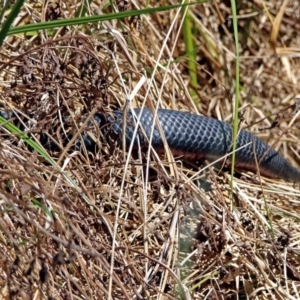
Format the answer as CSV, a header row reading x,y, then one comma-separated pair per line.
x,y
191,138
194,137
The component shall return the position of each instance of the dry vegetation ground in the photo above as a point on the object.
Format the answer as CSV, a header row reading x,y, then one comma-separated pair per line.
x,y
96,226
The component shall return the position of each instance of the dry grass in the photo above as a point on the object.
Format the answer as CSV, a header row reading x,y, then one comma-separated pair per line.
x,y
114,230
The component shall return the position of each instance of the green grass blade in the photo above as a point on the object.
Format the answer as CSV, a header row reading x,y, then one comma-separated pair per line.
x,y
10,18
82,9
93,19
4,9
237,87
190,54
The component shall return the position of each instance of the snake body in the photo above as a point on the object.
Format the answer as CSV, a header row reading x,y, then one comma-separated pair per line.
x,y
197,138
194,138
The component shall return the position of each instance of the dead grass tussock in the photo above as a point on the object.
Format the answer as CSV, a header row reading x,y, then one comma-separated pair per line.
x,y
164,235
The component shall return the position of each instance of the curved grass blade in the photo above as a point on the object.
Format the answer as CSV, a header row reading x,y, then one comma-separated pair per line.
x,y
40,150
16,131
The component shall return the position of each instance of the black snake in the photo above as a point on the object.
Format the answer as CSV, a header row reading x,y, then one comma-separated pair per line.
x,y
195,138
